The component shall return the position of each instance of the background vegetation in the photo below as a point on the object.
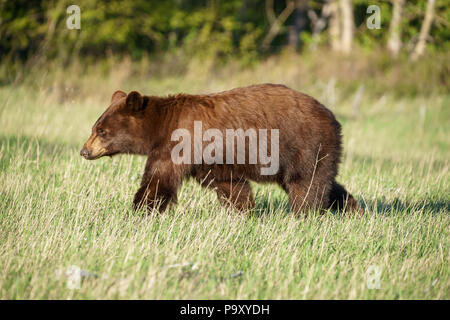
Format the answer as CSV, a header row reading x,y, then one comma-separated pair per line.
x,y
58,210
173,37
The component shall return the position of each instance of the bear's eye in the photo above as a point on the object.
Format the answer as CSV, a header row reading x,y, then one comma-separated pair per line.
x,y
101,132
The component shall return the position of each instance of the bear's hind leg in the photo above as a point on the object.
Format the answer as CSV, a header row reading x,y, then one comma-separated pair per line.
x,y
236,194
342,200
304,197
309,186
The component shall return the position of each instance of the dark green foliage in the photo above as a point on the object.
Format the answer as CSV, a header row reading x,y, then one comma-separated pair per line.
x,y
208,27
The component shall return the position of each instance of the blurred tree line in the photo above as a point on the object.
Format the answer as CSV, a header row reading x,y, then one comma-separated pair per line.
x,y
246,29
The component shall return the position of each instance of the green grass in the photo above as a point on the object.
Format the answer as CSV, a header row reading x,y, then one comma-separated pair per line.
x,y
59,210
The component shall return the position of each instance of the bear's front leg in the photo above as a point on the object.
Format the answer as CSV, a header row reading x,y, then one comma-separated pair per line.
x,y
154,195
159,186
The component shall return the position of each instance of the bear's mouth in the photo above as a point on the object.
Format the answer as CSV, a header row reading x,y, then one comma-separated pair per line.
x,y
95,157
91,156
104,154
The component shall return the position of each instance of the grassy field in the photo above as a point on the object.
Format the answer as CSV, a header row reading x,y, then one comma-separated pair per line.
x,y
58,210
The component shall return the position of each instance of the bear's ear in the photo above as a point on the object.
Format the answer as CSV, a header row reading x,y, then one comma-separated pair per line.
x,y
135,101
117,95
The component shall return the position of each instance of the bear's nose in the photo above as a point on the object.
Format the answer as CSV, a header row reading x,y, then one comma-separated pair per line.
x,y
85,153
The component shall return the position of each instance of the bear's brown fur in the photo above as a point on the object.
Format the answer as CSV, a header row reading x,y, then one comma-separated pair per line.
x,y
309,145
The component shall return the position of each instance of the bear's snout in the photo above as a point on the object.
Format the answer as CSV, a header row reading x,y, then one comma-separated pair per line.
x,y
85,153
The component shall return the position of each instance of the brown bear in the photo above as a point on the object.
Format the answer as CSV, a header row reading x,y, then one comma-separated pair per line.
x,y
263,133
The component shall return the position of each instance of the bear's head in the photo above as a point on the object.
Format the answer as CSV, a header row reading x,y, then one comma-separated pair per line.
x,y
120,129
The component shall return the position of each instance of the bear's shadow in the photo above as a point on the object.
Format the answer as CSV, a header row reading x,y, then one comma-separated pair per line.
x,y
265,206
387,207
